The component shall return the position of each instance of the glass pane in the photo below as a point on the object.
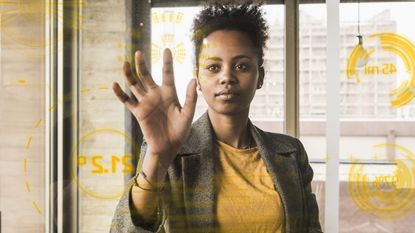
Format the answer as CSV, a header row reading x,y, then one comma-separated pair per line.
x,y
171,27
313,94
22,116
378,112
101,159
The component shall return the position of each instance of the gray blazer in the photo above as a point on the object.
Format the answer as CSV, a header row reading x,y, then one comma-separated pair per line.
x,y
187,202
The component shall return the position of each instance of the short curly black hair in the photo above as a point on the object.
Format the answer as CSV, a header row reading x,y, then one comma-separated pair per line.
x,y
245,16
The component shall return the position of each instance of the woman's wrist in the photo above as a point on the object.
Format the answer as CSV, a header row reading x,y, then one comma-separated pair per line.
x,y
155,169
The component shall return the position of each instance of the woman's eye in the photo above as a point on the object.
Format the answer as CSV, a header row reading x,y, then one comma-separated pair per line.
x,y
242,67
213,68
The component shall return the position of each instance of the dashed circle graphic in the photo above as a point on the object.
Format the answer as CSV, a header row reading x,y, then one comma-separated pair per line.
x,y
28,145
386,196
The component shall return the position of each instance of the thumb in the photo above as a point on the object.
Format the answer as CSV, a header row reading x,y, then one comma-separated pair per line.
x,y
191,99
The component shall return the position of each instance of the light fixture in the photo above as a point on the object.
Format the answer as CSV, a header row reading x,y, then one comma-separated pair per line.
x,y
363,55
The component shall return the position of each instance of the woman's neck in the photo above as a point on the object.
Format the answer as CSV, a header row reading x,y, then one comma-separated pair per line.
x,y
231,129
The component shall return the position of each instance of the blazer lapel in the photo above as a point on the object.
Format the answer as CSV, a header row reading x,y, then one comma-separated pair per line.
x,y
198,167
282,166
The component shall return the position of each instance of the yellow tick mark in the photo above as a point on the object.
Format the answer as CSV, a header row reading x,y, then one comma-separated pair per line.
x,y
52,107
83,90
25,166
21,81
38,123
27,186
36,207
29,142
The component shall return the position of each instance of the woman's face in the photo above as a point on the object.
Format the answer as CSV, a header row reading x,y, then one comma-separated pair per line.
x,y
228,71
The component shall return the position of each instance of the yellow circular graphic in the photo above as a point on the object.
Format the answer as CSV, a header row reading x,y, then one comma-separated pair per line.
x,y
169,20
98,164
30,15
389,196
397,45
31,140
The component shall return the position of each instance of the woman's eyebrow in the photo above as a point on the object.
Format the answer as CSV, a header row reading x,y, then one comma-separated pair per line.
x,y
214,58
241,56
234,58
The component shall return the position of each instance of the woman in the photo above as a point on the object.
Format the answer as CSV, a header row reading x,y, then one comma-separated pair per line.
x,y
221,174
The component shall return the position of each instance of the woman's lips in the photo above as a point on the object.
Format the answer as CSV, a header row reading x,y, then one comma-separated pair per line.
x,y
226,95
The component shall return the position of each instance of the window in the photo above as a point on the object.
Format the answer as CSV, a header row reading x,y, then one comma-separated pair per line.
x,y
375,134
376,105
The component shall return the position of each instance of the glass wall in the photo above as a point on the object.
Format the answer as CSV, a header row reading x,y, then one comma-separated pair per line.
x,y
22,116
376,111
377,117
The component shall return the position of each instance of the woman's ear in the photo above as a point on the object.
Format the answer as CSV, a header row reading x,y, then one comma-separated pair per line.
x,y
198,84
261,77
196,75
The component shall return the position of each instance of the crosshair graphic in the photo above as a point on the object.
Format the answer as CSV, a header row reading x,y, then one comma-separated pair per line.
x,y
397,45
388,196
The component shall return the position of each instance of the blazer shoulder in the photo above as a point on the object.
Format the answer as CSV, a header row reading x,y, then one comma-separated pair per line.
x,y
283,142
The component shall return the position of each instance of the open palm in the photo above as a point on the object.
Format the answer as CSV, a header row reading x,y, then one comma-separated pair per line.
x,y
164,122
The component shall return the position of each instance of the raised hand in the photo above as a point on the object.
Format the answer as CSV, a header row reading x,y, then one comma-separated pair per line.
x,y
164,123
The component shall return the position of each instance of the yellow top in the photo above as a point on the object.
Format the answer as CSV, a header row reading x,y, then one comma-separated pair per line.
x,y
246,201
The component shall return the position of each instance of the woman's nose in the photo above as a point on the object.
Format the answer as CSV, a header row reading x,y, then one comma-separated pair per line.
x,y
227,76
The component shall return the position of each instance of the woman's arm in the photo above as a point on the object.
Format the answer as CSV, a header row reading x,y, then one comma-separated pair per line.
x,y
138,211
165,125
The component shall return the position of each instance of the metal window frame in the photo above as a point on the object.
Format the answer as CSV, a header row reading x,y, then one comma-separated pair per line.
x,y
61,117
51,119
138,19
292,69
332,184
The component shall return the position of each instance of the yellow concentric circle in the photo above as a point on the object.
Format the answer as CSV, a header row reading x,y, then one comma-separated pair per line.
x,y
391,199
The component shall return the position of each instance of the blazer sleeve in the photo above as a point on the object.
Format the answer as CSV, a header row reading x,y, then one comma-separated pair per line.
x,y
312,210
126,219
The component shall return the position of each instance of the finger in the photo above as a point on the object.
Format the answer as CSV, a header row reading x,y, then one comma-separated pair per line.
x,y
168,74
142,71
122,96
191,99
133,83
